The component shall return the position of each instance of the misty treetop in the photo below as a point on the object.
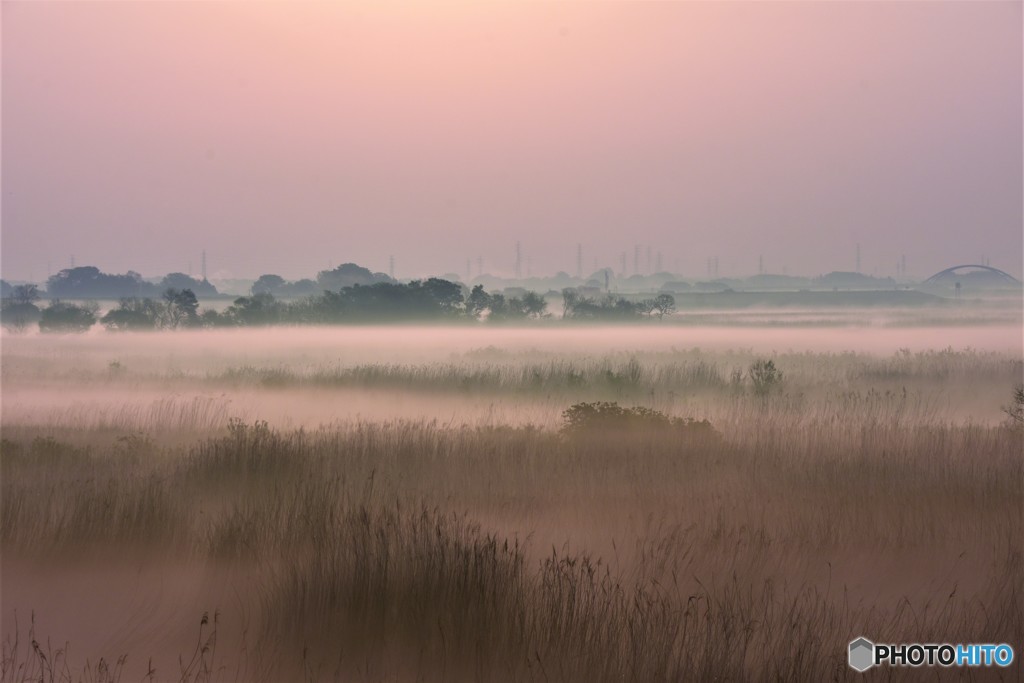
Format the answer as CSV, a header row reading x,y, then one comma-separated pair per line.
x,y
89,282
181,281
279,287
349,275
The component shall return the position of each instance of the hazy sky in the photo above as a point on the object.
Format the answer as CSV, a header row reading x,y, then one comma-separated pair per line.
x,y
284,137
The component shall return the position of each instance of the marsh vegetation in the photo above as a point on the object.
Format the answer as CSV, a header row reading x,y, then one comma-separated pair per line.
x,y
550,508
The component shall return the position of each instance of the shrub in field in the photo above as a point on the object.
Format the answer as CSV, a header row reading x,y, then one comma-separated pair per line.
x,y
64,317
16,317
1015,411
601,417
765,377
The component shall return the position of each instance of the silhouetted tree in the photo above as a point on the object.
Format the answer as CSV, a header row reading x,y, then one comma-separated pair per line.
x,y
535,305
18,310
571,300
499,308
180,309
1015,411
664,304
64,317
447,295
25,294
259,309
133,314
267,284
610,307
478,302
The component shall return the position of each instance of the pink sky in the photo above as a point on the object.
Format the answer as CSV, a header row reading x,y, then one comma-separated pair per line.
x,y
284,137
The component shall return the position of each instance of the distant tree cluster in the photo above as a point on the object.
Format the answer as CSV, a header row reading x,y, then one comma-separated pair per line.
x,y
275,285
61,316
18,307
577,306
852,280
349,275
497,307
419,300
177,308
433,299
181,282
88,282
344,276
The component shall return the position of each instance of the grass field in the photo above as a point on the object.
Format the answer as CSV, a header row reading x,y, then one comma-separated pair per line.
x,y
342,511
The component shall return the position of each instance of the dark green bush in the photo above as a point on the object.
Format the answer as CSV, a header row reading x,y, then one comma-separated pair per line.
x,y
603,417
64,317
765,377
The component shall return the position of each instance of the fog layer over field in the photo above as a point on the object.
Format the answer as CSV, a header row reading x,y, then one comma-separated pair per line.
x,y
310,377
405,503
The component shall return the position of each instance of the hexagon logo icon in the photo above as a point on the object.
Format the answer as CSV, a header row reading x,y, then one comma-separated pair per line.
x,y
862,654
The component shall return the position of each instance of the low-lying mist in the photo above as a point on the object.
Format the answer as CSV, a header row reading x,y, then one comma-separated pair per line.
x,y
398,343
409,503
198,381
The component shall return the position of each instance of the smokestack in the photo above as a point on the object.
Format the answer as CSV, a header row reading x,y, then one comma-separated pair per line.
x,y
204,265
579,261
519,261
636,259
858,257
391,266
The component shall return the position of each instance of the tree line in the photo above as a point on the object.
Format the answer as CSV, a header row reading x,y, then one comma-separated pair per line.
x,y
89,282
433,299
